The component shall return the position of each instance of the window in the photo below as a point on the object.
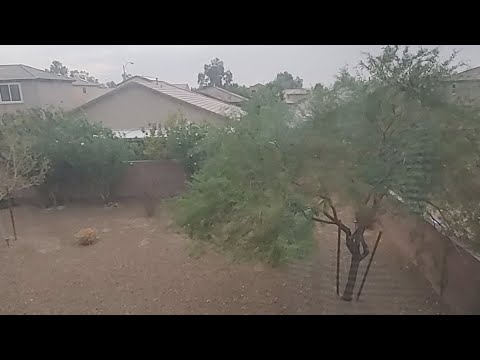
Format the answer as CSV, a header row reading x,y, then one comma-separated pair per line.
x,y
84,90
454,89
10,93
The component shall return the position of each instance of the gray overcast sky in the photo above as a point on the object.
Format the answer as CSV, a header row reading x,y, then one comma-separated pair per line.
x,y
249,64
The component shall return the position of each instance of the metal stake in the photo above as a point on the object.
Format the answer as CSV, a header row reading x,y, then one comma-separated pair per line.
x,y
369,263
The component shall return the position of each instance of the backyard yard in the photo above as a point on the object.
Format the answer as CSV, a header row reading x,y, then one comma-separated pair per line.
x,y
143,265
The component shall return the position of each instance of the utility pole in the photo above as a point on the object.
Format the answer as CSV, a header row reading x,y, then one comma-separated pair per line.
x,y
125,70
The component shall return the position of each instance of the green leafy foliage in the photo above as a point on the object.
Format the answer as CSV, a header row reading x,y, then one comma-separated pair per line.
x,y
393,129
20,166
80,153
58,68
241,90
177,140
242,199
214,74
284,81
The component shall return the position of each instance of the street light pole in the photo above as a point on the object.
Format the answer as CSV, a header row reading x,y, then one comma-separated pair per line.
x,y
125,70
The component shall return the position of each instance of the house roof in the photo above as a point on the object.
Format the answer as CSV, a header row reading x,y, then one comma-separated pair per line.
x,y
295,92
179,94
182,86
152,79
24,72
467,75
239,97
81,82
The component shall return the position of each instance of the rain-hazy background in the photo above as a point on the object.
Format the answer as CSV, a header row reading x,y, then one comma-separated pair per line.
x,y
250,64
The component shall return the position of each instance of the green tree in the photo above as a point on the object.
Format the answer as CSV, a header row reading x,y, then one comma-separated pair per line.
x,y
58,68
84,75
20,166
390,130
80,153
214,74
177,140
242,199
241,90
284,81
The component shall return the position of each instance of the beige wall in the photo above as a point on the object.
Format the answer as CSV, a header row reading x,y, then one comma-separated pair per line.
x,y
295,98
468,91
220,95
453,272
158,178
42,93
80,98
135,107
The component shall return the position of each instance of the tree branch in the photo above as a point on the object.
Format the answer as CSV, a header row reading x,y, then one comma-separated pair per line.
x,y
323,221
339,223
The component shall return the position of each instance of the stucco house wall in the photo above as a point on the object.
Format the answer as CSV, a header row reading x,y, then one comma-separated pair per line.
x,y
136,107
83,94
41,93
465,91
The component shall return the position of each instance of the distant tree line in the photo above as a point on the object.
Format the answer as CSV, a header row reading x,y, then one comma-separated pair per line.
x,y
214,74
58,68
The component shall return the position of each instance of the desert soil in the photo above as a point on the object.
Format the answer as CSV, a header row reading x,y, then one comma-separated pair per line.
x,y
144,265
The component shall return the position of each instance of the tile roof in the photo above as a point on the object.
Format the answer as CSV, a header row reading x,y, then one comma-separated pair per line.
x,y
193,98
81,82
187,96
205,91
471,74
24,72
182,86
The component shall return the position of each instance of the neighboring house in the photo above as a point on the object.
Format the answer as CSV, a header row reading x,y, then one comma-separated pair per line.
x,y
465,86
23,87
153,79
139,102
85,91
254,88
295,96
222,95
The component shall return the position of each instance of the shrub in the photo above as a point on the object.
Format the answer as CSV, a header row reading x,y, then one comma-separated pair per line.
x,y
80,153
177,140
242,198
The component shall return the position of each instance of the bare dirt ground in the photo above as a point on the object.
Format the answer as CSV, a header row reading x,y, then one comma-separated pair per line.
x,y
142,266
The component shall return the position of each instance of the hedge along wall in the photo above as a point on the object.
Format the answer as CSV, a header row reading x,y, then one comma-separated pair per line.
x,y
157,178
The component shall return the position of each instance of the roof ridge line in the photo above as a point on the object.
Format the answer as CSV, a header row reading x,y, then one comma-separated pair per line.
x,y
24,68
231,92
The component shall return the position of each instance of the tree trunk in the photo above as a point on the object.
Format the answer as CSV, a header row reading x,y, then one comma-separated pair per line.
x,y
352,277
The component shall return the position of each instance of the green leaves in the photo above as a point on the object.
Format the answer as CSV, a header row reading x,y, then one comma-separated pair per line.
x,y
77,150
179,140
214,74
242,198
20,166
